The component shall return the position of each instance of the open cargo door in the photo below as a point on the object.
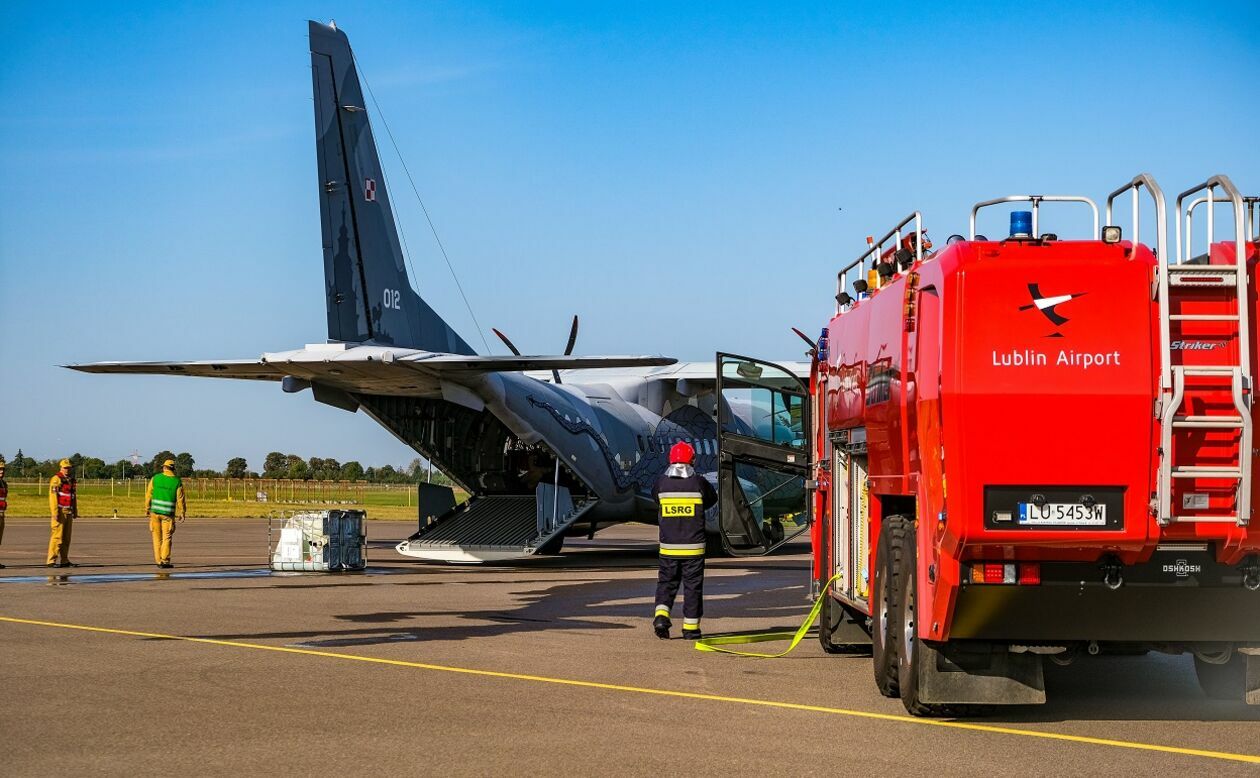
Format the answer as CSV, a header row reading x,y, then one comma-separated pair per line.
x,y
763,455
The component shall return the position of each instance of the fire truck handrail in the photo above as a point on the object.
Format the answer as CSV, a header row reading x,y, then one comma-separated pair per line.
x,y
1161,250
874,248
1251,210
1186,214
1036,201
1161,210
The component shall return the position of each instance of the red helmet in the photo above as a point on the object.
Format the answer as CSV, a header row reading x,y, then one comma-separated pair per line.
x,y
682,453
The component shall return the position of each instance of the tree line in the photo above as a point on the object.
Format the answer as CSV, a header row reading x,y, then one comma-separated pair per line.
x,y
275,465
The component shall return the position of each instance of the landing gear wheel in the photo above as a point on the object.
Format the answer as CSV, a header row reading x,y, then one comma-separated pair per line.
x,y
1223,682
551,547
829,620
894,536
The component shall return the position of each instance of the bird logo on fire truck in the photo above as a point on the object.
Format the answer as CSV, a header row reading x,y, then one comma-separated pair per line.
x,y
1047,306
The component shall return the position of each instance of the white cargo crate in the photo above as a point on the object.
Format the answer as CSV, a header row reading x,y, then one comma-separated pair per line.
x,y
318,541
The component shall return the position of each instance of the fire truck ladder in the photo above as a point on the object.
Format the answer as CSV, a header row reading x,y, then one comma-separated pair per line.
x,y
1204,304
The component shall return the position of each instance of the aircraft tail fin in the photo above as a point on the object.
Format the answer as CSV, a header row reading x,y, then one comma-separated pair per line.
x,y
369,297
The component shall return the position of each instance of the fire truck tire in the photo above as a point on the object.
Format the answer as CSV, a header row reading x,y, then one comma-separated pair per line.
x,y
1223,682
910,646
895,538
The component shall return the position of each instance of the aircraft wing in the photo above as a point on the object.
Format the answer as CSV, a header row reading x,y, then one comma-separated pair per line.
x,y
246,369
494,364
369,369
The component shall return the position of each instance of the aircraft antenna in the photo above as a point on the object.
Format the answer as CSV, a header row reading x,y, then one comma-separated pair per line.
x,y
423,208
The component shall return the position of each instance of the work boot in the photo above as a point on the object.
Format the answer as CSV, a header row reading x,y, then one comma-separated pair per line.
x,y
661,625
52,564
691,634
68,564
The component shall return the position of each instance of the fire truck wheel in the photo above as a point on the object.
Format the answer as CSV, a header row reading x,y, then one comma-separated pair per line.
x,y
895,537
910,649
1223,682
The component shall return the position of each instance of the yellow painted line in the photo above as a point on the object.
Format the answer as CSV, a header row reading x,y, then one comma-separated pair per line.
x,y
958,725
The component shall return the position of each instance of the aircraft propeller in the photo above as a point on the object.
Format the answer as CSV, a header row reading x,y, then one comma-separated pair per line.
x,y
568,348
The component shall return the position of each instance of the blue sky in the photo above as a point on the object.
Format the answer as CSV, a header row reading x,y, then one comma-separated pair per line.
x,y
687,178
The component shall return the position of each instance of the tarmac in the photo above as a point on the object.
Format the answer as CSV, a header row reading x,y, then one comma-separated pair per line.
x,y
546,666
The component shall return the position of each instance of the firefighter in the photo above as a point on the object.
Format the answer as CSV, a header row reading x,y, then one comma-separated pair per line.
x,y
63,503
163,501
4,501
683,498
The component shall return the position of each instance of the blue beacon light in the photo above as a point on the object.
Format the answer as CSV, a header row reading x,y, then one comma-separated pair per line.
x,y
1021,224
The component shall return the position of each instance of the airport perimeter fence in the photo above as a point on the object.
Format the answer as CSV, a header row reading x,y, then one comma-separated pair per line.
x,y
259,490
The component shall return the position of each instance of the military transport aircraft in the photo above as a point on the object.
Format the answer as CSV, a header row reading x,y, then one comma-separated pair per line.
x,y
545,445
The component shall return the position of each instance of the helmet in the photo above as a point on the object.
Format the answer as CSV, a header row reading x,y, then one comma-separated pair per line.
x,y
169,463
65,463
682,453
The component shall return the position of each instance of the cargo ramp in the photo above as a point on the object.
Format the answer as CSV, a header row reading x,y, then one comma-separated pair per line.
x,y
492,528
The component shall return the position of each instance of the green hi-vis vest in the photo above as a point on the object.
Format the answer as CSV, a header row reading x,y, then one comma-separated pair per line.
x,y
165,488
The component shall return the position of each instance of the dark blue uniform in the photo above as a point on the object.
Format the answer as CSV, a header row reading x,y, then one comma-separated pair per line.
x,y
682,497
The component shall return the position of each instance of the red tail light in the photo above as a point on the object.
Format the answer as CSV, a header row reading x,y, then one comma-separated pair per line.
x,y
1030,573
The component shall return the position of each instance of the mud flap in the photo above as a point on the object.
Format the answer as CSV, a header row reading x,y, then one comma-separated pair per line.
x,y
1253,674
975,675
843,626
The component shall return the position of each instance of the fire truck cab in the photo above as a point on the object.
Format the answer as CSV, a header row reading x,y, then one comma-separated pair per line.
x,y
1022,449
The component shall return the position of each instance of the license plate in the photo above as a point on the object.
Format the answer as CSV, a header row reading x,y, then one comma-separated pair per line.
x,y
1063,514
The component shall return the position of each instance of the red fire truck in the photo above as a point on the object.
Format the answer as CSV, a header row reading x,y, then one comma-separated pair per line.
x,y
1024,449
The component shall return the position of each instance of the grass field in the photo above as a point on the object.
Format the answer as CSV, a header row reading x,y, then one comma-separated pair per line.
x,y
227,499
